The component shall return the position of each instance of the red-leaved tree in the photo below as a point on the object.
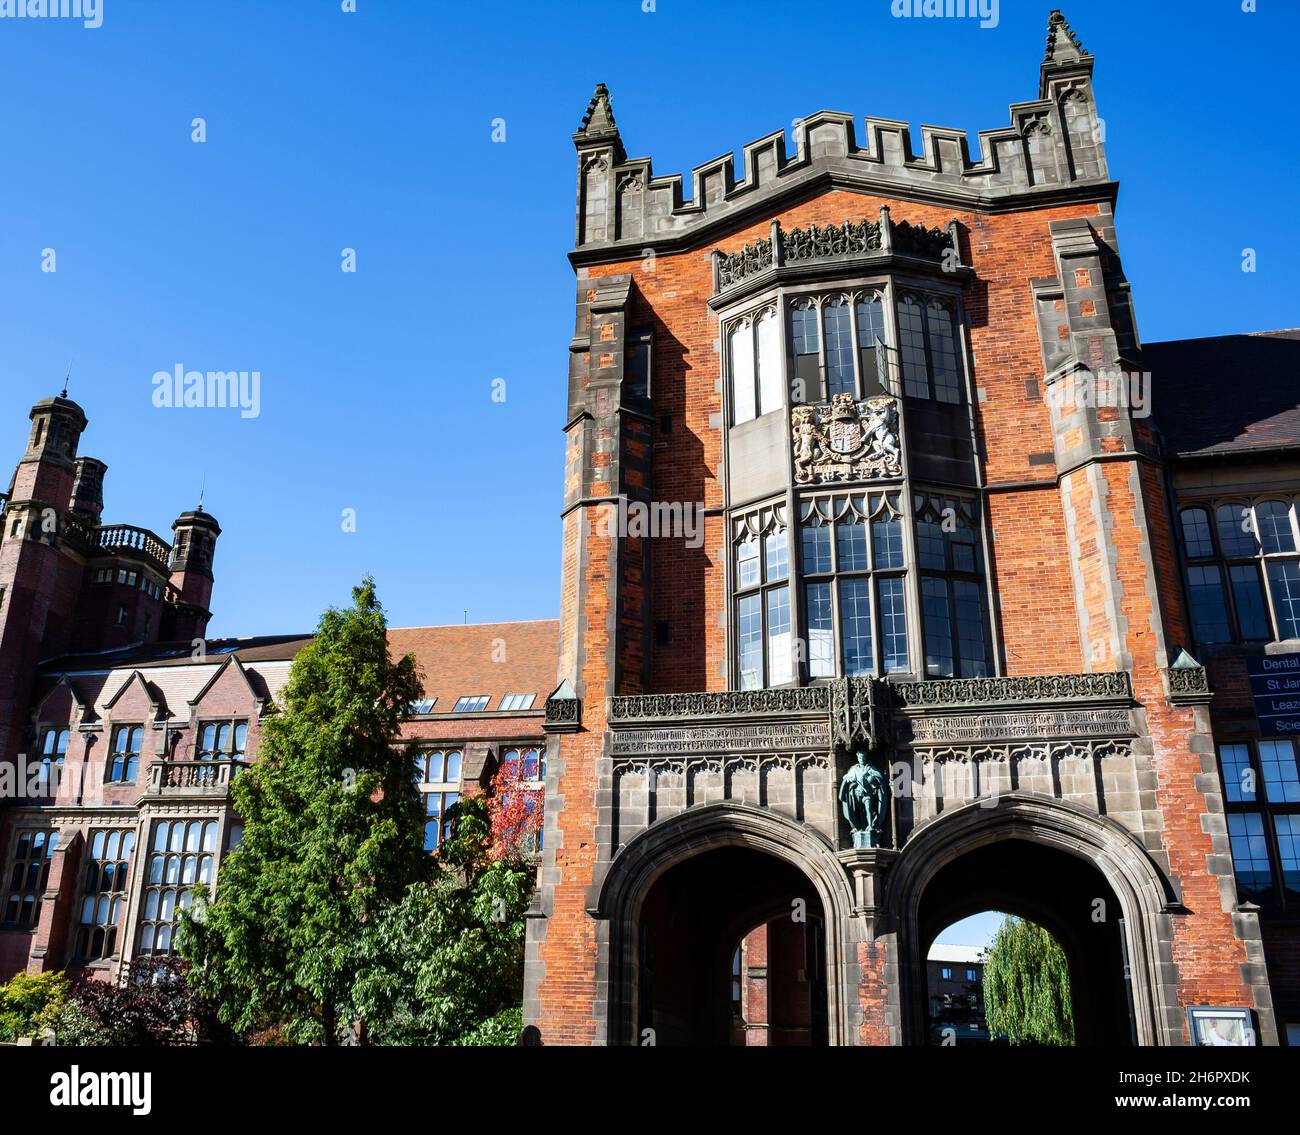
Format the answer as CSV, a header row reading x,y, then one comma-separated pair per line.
x,y
515,808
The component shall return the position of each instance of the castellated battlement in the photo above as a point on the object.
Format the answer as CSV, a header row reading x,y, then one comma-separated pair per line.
x,y
1052,151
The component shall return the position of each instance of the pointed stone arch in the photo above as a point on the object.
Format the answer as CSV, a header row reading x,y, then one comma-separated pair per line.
x,y
1145,895
627,881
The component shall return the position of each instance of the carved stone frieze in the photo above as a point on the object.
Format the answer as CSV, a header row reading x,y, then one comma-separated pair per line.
x,y
760,737
1078,749
996,726
734,267
817,242
722,703
1103,686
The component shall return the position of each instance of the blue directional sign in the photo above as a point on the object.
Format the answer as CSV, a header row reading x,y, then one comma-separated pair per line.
x,y
1275,685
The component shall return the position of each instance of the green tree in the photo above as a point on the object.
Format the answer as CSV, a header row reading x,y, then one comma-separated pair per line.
x,y
449,959
1027,986
332,840
30,1003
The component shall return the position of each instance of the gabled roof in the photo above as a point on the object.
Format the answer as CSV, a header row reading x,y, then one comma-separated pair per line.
x,y
155,695
1229,394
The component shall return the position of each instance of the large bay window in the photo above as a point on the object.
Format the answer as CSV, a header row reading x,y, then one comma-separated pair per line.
x,y
180,859
1243,569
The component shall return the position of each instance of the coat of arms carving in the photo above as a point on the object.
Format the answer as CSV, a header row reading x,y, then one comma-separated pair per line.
x,y
849,441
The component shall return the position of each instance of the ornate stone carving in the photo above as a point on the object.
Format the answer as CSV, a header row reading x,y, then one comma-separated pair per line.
x,y
857,713
734,267
1113,684
816,243
1084,750
917,240
849,441
563,710
1188,685
724,703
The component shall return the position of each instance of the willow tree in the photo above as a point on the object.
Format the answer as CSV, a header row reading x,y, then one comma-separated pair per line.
x,y
332,839
1027,986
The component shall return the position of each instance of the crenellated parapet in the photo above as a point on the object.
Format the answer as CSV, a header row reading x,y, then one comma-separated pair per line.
x,y
1050,152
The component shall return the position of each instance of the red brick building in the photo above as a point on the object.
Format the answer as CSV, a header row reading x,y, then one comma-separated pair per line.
x,y
864,455
121,725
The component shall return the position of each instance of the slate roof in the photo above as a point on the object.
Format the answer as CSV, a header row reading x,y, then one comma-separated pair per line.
x,y
1229,394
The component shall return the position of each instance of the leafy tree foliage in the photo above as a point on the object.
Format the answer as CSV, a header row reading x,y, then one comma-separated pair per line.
x,y
152,1004
332,840
449,959
1027,986
515,810
30,1003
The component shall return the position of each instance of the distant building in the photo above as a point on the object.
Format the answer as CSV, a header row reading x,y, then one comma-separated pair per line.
x,y
954,978
122,726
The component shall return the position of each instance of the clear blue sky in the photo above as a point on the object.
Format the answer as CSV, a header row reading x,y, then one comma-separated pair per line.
x,y
373,131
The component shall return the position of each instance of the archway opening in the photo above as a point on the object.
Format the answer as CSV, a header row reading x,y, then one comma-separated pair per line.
x,y
732,950
1067,897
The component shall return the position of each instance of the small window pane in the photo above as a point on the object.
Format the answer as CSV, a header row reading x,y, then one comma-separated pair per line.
x,y
750,636
776,556
839,349
1284,582
911,331
1238,776
969,602
1250,855
1209,612
778,635
1278,764
855,626
943,353
742,372
887,542
1274,519
453,767
747,570
871,338
893,626
770,368
1252,618
1236,530
1288,847
938,628
1196,533
821,630
851,546
816,549
804,330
